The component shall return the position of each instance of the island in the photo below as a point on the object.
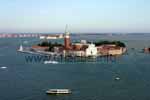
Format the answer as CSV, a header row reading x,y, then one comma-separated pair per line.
x,y
80,49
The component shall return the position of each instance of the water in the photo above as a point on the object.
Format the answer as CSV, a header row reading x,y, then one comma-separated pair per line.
x,y
88,81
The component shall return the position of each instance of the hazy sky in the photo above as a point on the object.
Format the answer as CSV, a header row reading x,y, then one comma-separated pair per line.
x,y
81,15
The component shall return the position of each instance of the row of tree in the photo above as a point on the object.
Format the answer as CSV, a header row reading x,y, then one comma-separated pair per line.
x,y
49,44
117,43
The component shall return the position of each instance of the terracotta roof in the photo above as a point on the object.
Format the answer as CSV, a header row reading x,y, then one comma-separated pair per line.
x,y
76,48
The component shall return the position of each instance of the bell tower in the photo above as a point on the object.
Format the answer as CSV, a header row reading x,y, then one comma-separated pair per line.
x,y
67,42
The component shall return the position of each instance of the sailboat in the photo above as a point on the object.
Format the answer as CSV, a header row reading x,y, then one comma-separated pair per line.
x,y
25,50
20,48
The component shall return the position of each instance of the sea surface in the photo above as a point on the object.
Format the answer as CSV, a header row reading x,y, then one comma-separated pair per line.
x,y
22,80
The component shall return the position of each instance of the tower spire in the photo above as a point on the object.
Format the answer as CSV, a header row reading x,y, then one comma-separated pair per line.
x,y
66,30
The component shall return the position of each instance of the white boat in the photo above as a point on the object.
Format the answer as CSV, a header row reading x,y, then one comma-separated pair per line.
x,y
42,37
3,67
58,91
51,62
20,48
117,78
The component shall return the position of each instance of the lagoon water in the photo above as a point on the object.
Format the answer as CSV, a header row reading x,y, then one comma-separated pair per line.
x,y
88,81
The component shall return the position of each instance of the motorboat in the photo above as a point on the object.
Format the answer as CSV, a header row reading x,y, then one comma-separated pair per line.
x,y
117,78
50,62
58,91
3,67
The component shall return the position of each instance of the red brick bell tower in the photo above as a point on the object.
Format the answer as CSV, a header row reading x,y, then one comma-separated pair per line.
x,y
67,42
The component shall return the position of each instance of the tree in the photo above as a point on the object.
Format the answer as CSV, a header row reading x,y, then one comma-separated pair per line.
x,y
117,43
49,44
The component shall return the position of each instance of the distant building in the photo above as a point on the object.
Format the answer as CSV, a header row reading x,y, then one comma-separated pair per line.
x,y
91,50
116,51
51,36
81,49
108,49
147,50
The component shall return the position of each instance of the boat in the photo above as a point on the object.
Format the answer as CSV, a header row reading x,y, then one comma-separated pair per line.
x,y
20,48
117,78
58,91
3,67
50,62
27,50
42,37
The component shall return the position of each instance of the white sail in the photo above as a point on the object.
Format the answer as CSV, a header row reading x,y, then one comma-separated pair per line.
x,y
21,48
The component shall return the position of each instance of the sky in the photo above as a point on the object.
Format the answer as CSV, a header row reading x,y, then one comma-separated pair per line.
x,y
82,16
